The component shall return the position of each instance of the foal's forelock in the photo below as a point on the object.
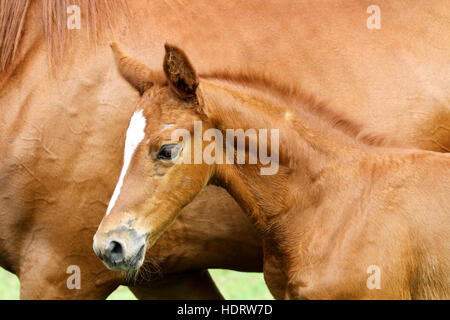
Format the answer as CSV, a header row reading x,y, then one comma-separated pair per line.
x,y
134,136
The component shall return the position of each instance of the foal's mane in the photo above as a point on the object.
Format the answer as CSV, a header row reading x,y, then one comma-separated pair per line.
x,y
309,103
96,15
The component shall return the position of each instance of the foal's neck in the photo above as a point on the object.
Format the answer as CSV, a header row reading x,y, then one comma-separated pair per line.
x,y
308,146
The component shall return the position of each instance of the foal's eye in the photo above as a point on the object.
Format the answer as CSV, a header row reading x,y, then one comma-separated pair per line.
x,y
168,151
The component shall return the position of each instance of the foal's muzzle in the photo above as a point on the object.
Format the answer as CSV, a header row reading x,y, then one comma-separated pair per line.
x,y
121,249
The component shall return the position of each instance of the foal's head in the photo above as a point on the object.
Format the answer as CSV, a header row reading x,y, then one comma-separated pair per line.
x,y
159,175
179,139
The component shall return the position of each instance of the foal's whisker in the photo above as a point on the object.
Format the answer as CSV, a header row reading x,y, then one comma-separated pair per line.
x,y
149,270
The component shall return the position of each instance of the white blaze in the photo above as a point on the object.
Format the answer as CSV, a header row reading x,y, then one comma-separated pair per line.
x,y
135,135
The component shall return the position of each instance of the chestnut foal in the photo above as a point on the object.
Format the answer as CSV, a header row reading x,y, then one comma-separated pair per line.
x,y
335,208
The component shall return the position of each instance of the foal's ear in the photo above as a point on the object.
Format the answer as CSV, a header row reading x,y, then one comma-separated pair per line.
x,y
135,72
179,72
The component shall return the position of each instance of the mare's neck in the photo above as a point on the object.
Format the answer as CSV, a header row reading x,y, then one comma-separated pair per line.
x,y
308,149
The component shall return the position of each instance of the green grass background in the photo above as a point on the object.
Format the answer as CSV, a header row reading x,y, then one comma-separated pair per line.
x,y
232,284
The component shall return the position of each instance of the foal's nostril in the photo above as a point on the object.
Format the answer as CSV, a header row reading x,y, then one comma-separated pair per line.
x,y
115,251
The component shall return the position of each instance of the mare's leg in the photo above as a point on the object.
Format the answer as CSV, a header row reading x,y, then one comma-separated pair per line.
x,y
186,285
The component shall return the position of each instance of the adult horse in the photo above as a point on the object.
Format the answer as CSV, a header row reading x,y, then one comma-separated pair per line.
x,y
62,126
328,205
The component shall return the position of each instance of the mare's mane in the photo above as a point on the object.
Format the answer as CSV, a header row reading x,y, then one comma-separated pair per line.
x,y
96,17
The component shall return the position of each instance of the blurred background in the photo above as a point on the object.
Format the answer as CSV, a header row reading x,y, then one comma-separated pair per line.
x,y
232,285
